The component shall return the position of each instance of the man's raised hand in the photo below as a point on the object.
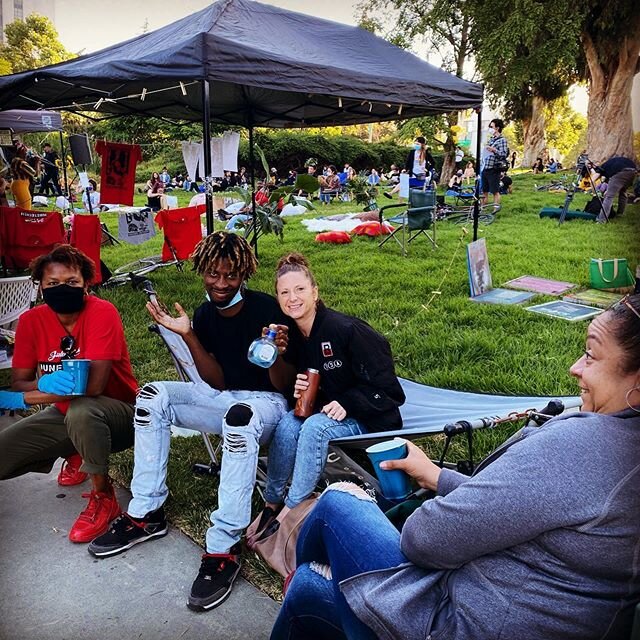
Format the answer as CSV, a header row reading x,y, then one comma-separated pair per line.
x,y
180,324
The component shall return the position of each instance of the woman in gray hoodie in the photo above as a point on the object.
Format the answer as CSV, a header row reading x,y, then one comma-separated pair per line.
x,y
541,543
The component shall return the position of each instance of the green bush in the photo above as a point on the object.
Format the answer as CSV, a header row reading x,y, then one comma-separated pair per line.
x,y
289,149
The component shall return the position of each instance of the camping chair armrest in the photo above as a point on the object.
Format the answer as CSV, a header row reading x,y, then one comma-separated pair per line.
x,y
416,210
390,206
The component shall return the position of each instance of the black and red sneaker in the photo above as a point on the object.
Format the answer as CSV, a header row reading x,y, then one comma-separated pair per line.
x,y
218,572
127,531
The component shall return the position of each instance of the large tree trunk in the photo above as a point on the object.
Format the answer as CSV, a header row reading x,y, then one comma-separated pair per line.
x,y
533,129
610,130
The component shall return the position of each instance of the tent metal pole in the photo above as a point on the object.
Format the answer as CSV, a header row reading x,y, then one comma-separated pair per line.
x,y
476,200
254,239
63,153
206,143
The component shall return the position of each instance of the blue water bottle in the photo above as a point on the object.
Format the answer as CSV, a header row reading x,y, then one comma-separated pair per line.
x,y
263,351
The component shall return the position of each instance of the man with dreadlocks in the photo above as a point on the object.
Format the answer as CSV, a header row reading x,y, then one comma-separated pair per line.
x,y
236,399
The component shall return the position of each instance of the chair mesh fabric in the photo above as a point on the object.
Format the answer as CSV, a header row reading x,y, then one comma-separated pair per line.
x,y
16,295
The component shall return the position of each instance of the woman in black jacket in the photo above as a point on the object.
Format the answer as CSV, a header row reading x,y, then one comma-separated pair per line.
x,y
359,391
419,163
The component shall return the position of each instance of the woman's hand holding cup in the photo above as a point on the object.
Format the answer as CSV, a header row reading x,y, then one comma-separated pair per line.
x,y
417,465
301,384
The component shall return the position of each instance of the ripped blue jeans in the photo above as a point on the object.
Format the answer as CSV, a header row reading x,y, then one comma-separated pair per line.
x,y
197,406
298,451
345,535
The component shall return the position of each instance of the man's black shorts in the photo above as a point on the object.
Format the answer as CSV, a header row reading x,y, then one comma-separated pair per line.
x,y
491,181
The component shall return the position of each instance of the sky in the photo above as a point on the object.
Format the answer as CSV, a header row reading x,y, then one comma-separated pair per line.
x,y
89,25
86,25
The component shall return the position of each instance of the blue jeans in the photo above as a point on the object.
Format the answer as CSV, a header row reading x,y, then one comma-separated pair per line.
x,y
345,535
198,406
299,451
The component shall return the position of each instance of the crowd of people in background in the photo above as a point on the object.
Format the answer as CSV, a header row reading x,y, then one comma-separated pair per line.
x,y
30,177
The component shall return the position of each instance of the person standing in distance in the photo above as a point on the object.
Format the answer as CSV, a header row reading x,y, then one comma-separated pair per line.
x,y
496,152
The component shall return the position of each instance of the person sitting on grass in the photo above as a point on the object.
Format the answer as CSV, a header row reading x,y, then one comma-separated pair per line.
x,y
455,182
329,184
469,173
190,185
82,429
359,390
540,543
235,399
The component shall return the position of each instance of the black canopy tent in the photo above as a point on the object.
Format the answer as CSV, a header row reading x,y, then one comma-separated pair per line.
x,y
24,121
240,62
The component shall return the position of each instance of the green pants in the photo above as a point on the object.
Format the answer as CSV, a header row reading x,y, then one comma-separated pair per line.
x,y
94,427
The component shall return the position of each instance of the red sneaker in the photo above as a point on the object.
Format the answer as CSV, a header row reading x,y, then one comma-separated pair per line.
x,y
70,474
95,519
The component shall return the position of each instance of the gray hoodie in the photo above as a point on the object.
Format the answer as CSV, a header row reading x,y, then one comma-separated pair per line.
x,y
542,543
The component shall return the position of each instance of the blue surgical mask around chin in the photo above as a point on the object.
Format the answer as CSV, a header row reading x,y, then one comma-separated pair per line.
x,y
237,298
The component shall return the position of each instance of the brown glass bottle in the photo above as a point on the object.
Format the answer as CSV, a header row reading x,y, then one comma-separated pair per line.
x,y
306,401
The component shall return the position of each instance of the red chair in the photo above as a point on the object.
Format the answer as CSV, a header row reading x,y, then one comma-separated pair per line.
x,y
182,231
25,235
86,235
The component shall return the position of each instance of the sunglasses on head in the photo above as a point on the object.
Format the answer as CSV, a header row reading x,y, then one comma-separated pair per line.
x,y
627,303
68,347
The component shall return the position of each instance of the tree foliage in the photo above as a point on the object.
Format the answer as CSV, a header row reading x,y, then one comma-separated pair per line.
x,y
530,49
564,127
31,43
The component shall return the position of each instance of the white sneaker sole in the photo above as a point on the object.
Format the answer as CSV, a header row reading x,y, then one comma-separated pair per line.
x,y
96,553
196,606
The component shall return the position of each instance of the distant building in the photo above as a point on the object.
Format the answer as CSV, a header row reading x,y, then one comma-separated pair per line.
x,y
11,10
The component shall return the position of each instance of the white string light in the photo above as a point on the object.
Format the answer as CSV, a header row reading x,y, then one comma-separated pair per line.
x,y
183,89
340,102
143,95
400,110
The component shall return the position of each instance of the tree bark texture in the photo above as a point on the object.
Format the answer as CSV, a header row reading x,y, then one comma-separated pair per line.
x,y
610,130
533,128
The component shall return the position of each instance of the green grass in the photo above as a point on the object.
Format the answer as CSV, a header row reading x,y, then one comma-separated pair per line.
x,y
448,342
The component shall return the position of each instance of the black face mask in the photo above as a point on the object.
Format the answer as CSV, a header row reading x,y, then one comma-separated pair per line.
x,y
64,298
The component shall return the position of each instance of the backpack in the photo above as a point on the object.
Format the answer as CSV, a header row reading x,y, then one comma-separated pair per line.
x,y
504,164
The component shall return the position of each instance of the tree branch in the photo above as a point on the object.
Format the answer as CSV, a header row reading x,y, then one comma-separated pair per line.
x,y
595,69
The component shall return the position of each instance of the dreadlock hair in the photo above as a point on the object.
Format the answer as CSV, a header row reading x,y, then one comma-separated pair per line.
x,y
67,255
224,246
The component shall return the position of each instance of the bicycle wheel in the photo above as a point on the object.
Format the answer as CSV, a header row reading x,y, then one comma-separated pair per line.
x,y
139,265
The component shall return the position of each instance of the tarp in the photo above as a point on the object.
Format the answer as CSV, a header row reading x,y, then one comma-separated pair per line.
x,y
23,121
266,67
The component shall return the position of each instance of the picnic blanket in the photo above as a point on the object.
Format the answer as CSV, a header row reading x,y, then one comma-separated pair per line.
x,y
341,222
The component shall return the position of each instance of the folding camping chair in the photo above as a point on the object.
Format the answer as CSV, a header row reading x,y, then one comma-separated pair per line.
x,y
417,219
27,235
16,296
182,232
188,372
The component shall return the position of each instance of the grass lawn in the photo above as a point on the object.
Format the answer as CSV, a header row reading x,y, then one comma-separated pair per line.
x,y
420,303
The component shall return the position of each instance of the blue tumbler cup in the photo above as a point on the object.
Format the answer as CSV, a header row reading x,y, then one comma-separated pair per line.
x,y
79,369
395,484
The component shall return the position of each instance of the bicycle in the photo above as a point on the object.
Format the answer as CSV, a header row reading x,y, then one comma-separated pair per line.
x,y
463,214
133,271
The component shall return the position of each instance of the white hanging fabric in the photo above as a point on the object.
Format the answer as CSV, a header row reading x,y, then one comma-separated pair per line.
x,y
230,146
190,154
217,168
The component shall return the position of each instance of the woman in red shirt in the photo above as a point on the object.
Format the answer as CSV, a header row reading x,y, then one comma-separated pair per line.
x,y
83,429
